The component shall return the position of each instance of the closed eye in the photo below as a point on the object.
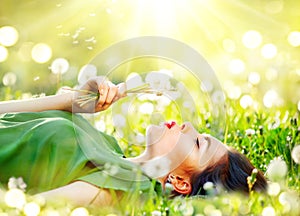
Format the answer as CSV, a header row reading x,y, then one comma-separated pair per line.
x,y
197,143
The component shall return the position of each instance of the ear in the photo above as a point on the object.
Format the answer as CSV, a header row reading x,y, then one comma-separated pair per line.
x,y
181,184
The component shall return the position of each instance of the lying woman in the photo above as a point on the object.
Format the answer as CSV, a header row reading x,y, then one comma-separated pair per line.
x,y
60,154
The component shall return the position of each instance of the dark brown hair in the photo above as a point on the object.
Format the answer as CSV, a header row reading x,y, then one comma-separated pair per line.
x,y
230,173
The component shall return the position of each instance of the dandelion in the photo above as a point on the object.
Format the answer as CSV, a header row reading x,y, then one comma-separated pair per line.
x,y
277,169
158,80
119,120
156,213
157,167
250,132
268,211
273,189
31,209
59,66
86,72
296,154
80,211
16,183
15,198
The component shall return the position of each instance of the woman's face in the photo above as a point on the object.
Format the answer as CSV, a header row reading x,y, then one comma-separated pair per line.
x,y
183,146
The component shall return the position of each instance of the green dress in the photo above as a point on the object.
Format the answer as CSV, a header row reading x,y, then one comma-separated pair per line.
x,y
54,148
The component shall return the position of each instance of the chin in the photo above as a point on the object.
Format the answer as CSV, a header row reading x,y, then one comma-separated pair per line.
x,y
154,133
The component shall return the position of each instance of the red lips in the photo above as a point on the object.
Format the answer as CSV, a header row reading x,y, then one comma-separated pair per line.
x,y
170,124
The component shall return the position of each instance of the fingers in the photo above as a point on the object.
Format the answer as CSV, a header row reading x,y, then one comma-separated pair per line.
x,y
108,94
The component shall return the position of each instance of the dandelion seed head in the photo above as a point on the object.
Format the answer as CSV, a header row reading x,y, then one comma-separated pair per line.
x,y
273,188
296,154
277,169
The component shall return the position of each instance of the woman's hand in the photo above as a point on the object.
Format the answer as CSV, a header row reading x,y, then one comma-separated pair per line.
x,y
105,93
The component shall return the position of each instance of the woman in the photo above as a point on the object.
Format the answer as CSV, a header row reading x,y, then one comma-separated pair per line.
x,y
59,154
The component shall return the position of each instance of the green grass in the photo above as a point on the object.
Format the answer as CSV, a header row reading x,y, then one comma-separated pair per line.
x,y
274,134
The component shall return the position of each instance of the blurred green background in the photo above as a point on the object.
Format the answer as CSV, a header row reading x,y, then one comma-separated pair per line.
x,y
253,46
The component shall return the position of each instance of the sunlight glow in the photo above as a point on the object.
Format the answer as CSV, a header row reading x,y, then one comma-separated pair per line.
x,y
8,36
269,51
3,53
252,39
41,53
236,66
229,45
294,38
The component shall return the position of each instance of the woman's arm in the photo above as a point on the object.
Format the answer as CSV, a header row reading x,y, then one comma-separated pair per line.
x,y
109,93
55,102
81,193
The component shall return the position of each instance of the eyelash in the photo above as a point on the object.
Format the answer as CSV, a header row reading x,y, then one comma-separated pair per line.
x,y
197,143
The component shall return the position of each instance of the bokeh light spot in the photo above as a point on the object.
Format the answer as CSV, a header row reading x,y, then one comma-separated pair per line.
x,y
236,66
8,36
269,51
246,101
9,79
299,105
146,108
294,38
41,53
254,78
3,53
271,98
232,91
252,39
59,66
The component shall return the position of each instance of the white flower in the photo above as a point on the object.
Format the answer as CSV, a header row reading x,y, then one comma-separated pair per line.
x,y
296,154
86,72
277,169
15,198
134,80
59,66
157,167
250,132
156,213
158,81
16,183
